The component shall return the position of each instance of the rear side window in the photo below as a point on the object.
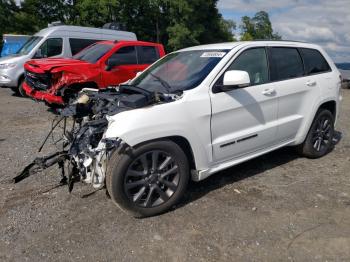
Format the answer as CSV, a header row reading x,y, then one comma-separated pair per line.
x,y
314,62
254,62
76,44
52,47
147,54
126,55
285,63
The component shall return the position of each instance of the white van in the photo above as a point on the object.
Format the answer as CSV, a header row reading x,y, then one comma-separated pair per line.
x,y
55,41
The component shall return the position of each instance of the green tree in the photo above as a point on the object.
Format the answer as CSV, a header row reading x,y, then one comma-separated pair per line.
x,y
174,23
8,9
197,22
94,13
258,27
34,15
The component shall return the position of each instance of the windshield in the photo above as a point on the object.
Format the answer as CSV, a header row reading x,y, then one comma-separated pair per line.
x,y
29,45
93,53
179,71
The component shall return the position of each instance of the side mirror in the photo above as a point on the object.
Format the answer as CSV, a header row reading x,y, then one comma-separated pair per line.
x,y
233,79
111,62
236,79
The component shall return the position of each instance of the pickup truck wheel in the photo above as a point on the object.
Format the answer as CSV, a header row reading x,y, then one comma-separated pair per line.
x,y
319,140
148,180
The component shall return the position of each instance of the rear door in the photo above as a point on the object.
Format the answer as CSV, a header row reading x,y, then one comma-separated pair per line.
x,y
127,69
244,120
296,92
147,55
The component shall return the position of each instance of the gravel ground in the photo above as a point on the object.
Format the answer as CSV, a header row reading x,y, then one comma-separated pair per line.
x,y
278,207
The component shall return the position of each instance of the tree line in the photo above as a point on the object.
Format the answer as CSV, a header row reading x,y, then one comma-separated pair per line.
x,y
174,23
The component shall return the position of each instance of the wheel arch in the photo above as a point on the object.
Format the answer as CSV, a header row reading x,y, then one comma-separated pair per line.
x,y
182,142
76,87
20,78
80,86
330,105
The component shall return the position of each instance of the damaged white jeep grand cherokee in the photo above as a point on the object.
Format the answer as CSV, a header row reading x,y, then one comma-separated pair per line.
x,y
193,113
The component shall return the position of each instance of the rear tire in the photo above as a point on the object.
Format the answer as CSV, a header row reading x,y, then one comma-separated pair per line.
x,y
149,179
319,140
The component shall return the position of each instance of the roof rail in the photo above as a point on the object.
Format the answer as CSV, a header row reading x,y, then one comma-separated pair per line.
x,y
275,40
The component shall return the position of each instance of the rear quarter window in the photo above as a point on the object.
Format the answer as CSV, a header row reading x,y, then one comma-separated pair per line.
x,y
286,63
314,61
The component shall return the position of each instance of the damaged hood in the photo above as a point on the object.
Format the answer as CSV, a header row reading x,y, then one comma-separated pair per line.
x,y
52,63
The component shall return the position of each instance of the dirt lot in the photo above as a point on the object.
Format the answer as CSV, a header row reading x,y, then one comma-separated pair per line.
x,y
278,207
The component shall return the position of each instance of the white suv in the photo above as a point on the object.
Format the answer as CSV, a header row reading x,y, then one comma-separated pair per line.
x,y
237,101
200,110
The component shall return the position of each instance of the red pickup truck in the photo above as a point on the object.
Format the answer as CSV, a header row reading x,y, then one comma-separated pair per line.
x,y
103,64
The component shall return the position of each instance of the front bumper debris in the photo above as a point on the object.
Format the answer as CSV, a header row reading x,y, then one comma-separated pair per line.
x,y
40,95
84,149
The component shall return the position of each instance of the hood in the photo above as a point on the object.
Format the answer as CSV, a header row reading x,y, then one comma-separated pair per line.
x,y
11,59
51,63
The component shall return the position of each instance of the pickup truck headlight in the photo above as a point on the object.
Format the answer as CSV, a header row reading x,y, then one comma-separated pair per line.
x,y
7,66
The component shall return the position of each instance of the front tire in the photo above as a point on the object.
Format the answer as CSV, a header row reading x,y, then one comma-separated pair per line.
x,y
21,90
319,140
149,179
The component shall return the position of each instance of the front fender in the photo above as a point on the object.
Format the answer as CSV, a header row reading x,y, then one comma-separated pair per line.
x,y
161,121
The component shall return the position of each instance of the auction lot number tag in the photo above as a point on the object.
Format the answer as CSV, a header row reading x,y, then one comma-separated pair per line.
x,y
213,54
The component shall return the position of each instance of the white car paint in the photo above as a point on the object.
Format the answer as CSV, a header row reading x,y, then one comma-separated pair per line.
x,y
280,113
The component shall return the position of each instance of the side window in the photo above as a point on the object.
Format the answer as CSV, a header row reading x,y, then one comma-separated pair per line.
x,y
76,45
285,63
147,54
314,61
254,62
51,47
125,55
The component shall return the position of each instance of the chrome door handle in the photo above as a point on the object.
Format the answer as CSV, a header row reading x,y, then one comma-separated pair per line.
x,y
311,83
268,91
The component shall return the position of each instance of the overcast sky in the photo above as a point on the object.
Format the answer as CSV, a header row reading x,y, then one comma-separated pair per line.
x,y
324,22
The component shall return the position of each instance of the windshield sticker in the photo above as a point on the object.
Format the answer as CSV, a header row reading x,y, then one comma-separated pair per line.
x,y
213,54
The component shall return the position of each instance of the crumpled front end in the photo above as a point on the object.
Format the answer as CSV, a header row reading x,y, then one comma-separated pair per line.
x,y
53,84
85,150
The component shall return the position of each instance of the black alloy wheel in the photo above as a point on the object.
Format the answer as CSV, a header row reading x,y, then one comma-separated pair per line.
x,y
152,179
149,179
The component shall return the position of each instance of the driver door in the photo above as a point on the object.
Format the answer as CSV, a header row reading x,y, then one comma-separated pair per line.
x,y
126,69
244,119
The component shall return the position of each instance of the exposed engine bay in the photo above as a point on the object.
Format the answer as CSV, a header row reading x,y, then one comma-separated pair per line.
x,y
85,151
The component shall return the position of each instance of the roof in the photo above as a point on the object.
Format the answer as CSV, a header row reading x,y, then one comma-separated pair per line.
x,y
114,42
81,29
231,45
